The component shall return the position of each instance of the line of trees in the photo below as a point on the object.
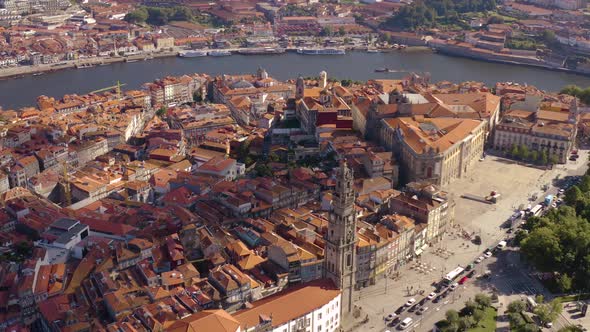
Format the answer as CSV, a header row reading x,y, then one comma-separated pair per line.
x,y
576,91
522,152
559,242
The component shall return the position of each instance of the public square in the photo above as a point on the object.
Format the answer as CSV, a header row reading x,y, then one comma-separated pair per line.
x,y
516,184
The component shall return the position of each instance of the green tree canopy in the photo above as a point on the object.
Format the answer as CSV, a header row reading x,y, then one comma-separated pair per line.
x,y
516,306
483,300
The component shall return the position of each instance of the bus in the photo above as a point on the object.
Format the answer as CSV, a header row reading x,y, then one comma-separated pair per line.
x,y
451,276
536,211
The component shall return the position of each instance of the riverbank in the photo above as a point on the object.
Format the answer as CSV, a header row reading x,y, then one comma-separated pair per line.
x,y
503,59
20,71
15,72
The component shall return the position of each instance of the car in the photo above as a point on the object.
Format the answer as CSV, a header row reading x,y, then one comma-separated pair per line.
x,y
463,280
421,303
548,325
479,259
454,286
438,298
431,296
394,322
572,158
410,302
414,307
422,310
471,274
561,191
390,317
487,254
400,310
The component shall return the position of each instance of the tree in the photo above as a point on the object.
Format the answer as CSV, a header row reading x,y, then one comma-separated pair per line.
x,y
564,282
470,307
466,322
545,312
516,321
140,15
517,306
326,31
553,159
452,316
524,152
341,31
161,112
515,152
573,195
478,315
534,156
585,184
543,159
23,249
542,247
496,20
273,157
483,300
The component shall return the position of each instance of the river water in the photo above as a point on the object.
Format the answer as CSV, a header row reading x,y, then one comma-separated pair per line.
x,y
16,93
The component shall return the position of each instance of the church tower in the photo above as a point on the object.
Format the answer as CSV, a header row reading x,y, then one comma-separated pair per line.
x,y
340,257
299,88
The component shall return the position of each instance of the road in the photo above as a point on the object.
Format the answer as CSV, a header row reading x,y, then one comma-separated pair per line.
x,y
509,278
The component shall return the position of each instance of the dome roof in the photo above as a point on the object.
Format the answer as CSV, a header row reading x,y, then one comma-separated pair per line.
x,y
242,84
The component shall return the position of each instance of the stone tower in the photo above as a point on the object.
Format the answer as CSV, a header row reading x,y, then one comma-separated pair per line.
x,y
323,81
340,258
299,88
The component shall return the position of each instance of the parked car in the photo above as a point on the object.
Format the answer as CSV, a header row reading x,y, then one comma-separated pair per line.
x,y
487,254
422,310
454,286
414,307
390,317
431,296
394,322
463,280
410,302
479,259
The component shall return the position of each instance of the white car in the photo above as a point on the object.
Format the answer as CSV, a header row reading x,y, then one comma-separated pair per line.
x,y
431,296
487,254
453,286
479,259
390,317
422,310
410,302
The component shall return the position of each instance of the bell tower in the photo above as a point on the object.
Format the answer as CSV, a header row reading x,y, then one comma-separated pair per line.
x,y
299,88
340,265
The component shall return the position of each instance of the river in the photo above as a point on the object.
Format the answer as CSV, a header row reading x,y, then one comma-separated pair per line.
x,y
20,92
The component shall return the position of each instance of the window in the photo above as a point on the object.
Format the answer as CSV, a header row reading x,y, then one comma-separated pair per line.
x,y
320,315
348,260
319,328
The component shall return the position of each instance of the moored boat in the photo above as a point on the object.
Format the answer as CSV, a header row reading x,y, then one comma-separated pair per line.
x,y
321,51
219,53
191,54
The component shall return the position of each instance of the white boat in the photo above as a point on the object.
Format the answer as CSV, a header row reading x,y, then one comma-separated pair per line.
x,y
219,53
191,54
321,51
373,50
